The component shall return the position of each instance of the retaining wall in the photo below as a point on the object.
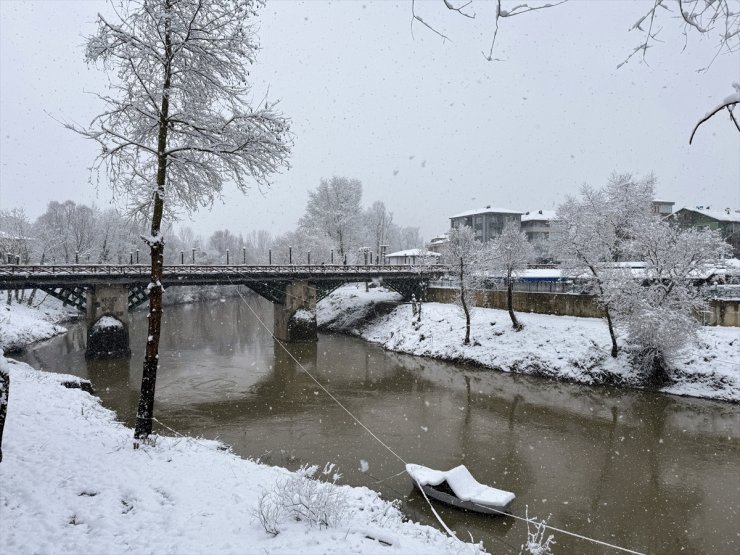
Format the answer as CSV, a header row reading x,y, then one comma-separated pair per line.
x,y
721,312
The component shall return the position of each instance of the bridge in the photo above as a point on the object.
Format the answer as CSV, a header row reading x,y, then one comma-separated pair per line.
x,y
115,290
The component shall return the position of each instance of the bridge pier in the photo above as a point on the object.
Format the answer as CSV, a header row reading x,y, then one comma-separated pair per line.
x,y
107,321
295,318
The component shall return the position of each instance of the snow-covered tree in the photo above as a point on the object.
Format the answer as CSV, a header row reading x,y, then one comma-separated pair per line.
x,y
658,308
462,253
296,246
379,226
65,231
596,232
15,234
333,209
508,255
178,124
115,237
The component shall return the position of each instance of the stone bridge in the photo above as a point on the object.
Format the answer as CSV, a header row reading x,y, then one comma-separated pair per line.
x,y
114,290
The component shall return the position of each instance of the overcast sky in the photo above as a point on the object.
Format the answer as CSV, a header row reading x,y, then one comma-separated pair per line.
x,y
429,127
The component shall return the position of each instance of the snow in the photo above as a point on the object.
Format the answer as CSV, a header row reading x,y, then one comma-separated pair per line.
x,y
558,347
486,210
413,252
719,215
21,324
72,483
539,215
461,481
106,322
303,315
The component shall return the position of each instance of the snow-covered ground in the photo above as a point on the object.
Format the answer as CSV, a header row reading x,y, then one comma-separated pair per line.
x,y
559,347
72,483
21,324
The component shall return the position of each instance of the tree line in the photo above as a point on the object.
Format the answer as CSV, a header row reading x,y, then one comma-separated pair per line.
x,y
334,225
602,231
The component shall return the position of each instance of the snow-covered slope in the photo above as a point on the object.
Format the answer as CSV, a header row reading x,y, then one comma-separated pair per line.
x,y
72,483
21,324
558,347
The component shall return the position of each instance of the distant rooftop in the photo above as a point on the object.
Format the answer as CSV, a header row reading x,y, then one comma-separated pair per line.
x,y
536,215
487,210
723,215
413,252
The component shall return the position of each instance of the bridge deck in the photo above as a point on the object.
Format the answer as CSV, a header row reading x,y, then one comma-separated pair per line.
x,y
27,276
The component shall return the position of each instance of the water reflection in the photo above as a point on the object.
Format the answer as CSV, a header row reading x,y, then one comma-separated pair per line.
x,y
651,472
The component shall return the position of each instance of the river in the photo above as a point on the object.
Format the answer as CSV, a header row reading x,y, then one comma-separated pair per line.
x,y
651,472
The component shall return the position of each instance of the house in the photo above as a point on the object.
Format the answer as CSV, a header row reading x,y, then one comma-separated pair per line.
x,y
437,244
727,221
663,208
412,257
487,223
541,228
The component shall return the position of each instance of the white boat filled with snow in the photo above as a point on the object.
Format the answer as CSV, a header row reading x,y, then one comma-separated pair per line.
x,y
458,488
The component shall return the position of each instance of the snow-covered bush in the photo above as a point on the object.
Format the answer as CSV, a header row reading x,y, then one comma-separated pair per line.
x,y
658,312
303,497
537,544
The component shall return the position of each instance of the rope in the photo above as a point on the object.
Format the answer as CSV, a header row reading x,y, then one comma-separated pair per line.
x,y
538,523
434,511
368,430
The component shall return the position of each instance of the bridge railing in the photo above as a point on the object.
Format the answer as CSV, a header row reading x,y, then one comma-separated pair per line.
x,y
233,269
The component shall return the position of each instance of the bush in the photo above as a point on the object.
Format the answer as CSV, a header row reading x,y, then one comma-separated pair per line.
x,y
301,497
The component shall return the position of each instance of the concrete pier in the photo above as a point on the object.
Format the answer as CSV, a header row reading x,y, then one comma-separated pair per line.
x,y
295,318
107,321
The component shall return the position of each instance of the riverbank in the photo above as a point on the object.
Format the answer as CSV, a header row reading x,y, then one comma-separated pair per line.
x,y
557,347
73,483
21,324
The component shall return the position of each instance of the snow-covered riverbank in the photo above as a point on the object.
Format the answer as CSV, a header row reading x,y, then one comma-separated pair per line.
x,y
72,483
21,325
558,347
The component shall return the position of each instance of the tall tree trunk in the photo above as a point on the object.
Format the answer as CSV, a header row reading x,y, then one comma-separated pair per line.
x,y
510,304
612,334
4,397
145,411
464,304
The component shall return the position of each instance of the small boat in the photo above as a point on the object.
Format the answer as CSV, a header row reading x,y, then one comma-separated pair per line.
x,y
458,488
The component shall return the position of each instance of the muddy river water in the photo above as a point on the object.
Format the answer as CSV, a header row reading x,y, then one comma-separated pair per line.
x,y
651,472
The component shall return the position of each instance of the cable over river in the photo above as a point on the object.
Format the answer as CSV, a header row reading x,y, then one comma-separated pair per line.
x,y
650,472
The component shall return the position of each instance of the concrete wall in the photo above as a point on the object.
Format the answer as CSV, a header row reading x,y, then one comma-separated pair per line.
x,y
541,303
721,312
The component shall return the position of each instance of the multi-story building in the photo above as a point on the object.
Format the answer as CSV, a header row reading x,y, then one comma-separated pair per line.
x,y
541,228
663,208
726,221
488,222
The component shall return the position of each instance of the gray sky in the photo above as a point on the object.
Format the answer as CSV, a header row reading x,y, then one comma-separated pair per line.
x,y
429,127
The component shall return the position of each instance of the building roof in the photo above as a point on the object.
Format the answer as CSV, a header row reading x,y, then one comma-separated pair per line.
x,y
413,252
536,215
487,210
726,215
439,239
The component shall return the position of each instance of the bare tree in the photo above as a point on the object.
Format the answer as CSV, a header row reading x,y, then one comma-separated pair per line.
x,y
704,18
508,255
178,124
462,250
596,230
334,209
